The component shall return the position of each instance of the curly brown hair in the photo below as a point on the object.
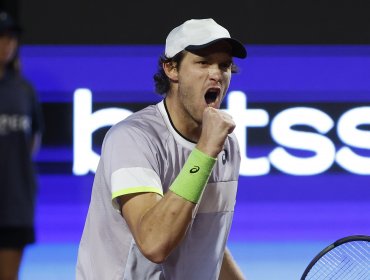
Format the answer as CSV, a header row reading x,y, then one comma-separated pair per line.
x,y
162,82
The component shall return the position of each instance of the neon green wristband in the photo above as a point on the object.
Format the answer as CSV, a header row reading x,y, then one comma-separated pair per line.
x,y
193,177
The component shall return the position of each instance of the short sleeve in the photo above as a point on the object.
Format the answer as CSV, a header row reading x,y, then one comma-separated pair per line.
x,y
130,161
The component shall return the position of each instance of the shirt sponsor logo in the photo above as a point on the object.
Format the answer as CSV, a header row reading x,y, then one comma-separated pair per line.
x,y
224,157
13,123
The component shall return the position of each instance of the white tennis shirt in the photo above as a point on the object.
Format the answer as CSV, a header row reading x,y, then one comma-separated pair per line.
x,y
144,153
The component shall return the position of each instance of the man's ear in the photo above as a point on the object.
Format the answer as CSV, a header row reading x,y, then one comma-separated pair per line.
x,y
170,68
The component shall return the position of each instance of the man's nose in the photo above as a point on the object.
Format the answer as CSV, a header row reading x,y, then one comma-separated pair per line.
x,y
214,72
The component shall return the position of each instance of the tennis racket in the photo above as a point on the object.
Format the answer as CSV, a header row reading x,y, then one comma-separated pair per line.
x,y
346,259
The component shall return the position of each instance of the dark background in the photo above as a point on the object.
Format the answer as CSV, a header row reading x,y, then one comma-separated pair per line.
x,y
148,22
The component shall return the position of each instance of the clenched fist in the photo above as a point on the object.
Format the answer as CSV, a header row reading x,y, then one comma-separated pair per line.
x,y
216,125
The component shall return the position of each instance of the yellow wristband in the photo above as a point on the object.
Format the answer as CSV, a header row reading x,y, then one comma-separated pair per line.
x,y
194,176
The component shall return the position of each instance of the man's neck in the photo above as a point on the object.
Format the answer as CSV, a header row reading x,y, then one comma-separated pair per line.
x,y
2,71
186,126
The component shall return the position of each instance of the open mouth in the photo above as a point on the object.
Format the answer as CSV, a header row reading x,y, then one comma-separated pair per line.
x,y
211,96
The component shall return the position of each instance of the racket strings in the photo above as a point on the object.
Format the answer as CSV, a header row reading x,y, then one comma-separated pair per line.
x,y
349,261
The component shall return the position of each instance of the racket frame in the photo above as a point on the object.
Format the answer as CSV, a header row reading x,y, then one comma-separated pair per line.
x,y
331,247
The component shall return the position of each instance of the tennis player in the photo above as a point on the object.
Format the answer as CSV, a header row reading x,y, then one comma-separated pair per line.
x,y
164,192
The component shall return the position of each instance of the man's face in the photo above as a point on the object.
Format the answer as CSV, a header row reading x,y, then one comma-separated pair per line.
x,y
8,47
203,80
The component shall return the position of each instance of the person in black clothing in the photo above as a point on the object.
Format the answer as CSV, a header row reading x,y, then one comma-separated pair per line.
x,y
20,134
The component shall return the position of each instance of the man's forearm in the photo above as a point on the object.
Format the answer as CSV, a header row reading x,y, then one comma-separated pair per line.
x,y
157,224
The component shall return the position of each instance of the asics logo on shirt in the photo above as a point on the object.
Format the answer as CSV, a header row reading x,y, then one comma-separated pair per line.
x,y
224,156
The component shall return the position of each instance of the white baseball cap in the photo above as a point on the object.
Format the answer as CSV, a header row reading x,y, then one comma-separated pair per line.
x,y
196,34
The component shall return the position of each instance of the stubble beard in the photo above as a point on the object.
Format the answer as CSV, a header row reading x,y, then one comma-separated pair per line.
x,y
190,108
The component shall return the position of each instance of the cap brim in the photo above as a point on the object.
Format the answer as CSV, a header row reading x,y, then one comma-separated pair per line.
x,y
12,29
237,48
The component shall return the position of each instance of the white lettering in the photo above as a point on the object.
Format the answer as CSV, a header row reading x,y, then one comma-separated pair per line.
x,y
283,130
283,134
243,117
14,123
349,133
84,124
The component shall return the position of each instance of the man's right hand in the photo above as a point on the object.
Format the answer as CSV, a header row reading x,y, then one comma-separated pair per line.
x,y
216,125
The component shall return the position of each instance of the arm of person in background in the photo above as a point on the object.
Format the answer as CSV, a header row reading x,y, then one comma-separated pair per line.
x,y
229,268
35,143
158,224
